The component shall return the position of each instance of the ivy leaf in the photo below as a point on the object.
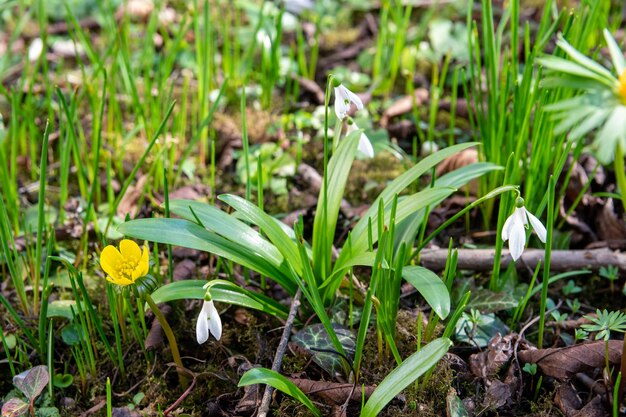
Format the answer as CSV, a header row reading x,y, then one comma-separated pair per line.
x,y
32,382
315,341
487,301
14,408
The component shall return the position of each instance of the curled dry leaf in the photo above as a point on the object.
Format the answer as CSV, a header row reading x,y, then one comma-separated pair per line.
x,y
610,225
488,362
563,363
128,203
459,160
404,106
567,399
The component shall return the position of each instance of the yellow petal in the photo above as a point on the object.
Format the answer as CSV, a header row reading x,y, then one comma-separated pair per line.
x,y
111,260
144,264
119,281
130,251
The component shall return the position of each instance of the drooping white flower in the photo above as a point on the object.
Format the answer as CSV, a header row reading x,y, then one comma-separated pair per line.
x,y
343,98
365,146
514,229
208,322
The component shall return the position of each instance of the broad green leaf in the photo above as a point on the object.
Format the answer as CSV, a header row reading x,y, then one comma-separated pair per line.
x,y
187,234
61,308
279,382
430,286
406,207
408,371
269,226
71,334
14,408
62,380
222,291
407,229
325,221
225,225
315,340
33,381
399,184
462,176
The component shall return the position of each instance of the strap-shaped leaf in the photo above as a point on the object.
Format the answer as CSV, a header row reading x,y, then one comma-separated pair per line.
x,y
408,371
269,226
222,291
399,184
406,206
329,201
430,286
279,382
225,225
190,235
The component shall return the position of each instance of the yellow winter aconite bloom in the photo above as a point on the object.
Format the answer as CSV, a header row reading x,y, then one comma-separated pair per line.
x,y
126,265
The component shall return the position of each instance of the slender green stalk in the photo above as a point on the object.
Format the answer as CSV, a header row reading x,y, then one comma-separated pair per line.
x,y
43,168
546,267
170,337
246,146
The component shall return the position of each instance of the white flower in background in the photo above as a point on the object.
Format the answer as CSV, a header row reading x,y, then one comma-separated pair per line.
x,y
343,98
365,146
35,49
208,322
514,229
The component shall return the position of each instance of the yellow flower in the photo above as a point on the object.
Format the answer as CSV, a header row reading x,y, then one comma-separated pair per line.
x,y
621,88
124,266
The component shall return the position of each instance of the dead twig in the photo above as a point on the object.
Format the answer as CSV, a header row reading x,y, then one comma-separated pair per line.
x,y
280,352
562,260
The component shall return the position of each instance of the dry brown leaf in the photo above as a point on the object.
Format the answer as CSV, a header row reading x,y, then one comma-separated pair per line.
x,y
610,225
567,399
563,363
128,203
403,106
185,269
336,393
488,362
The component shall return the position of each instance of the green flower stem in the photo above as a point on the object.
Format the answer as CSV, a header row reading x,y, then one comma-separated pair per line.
x,y
170,338
337,135
620,175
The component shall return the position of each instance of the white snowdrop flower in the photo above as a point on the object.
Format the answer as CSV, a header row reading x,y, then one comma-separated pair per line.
x,y
365,145
343,98
35,49
208,322
514,229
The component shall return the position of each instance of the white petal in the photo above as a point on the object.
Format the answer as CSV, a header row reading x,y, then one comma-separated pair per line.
x,y
354,99
537,226
506,229
365,146
520,212
202,325
517,240
342,103
215,322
